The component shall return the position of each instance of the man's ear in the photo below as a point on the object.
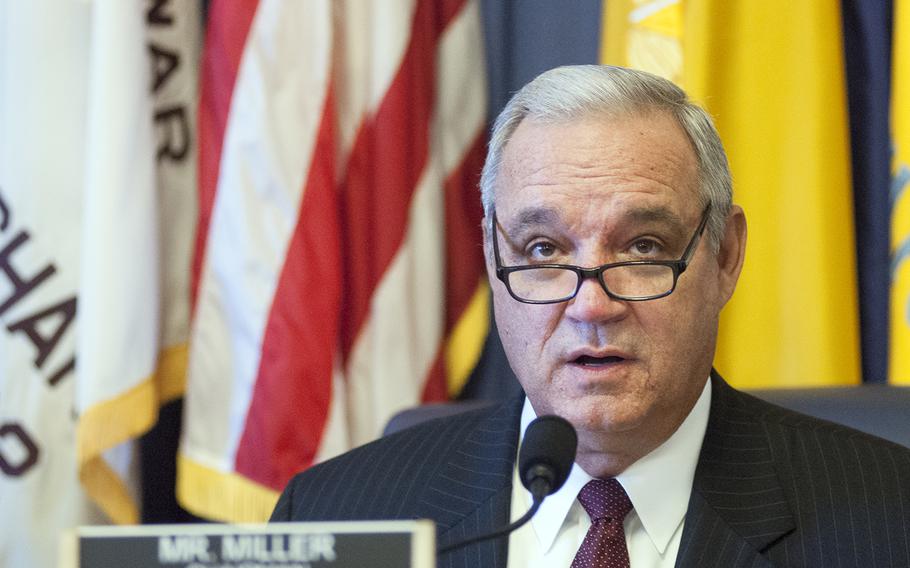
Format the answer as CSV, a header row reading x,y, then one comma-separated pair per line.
x,y
487,245
732,252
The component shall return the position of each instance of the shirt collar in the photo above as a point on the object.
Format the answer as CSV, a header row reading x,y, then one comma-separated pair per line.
x,y
660,501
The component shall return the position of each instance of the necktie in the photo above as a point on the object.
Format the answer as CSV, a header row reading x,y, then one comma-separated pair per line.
x,y
605,544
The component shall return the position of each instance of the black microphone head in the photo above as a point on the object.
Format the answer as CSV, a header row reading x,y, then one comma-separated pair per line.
x,y
547,452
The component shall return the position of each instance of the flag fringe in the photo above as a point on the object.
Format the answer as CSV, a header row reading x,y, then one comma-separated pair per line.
x,y
108,491
118,420
220,496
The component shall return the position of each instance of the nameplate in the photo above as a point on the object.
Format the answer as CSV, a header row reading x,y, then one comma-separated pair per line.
x,y
359,544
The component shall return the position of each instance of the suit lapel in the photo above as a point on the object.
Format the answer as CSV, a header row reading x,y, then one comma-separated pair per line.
x,y
738,507
471,492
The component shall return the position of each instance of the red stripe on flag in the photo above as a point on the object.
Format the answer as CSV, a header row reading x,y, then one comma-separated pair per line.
x,y
434,387
448,9
293,388
387,159
225,37
464,252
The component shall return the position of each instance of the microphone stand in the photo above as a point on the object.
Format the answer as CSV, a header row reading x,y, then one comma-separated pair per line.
x,y
503,531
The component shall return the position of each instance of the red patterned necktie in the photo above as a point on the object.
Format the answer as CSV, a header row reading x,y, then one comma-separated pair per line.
x,y
605,544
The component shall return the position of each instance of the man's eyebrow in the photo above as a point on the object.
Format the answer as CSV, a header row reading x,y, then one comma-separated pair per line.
x,y
653,215
536,216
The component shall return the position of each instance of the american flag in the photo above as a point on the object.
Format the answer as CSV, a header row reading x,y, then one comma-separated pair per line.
x,y
338,273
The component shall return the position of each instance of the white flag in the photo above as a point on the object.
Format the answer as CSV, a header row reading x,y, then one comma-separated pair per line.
x,y
86,268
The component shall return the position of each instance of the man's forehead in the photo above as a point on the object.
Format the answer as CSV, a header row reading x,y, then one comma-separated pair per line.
x,y
592,159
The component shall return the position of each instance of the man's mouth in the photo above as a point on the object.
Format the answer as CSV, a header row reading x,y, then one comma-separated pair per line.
x,y
589,361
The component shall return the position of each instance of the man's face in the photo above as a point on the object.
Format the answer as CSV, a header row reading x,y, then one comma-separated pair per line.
x,y
600,190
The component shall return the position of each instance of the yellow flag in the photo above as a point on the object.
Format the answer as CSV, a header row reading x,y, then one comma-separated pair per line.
x,y
772,75
645,35
899,368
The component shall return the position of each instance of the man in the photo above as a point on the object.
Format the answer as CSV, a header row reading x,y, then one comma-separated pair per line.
x,y
612,244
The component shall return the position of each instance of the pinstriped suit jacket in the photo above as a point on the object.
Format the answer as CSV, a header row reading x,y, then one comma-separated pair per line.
x,y
772,488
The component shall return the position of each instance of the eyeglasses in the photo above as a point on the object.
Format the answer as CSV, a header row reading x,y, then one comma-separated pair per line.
x,y
633,280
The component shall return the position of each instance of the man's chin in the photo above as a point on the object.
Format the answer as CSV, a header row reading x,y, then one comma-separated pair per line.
x,y
604,415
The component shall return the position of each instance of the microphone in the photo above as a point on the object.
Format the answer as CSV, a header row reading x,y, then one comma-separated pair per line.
x,y
546,455
544,462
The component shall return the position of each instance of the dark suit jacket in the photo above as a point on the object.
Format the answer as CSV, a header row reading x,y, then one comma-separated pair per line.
x,y
772,487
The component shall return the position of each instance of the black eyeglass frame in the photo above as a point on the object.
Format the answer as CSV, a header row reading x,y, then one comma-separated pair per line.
x,y
678,266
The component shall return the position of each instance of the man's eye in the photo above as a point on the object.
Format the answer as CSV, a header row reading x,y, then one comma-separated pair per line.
x,y
541,250
645,247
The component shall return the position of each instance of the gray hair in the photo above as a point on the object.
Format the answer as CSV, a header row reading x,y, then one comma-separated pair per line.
x,y
578,91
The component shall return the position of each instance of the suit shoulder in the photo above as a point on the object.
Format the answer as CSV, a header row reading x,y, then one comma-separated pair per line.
x,y
423,442
382,479
809,444
844,491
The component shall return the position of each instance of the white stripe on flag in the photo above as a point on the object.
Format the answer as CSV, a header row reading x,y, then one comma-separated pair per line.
x,y
372,44
404,332
275,112
371,41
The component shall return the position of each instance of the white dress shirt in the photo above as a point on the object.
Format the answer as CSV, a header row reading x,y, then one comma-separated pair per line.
x,y
659,485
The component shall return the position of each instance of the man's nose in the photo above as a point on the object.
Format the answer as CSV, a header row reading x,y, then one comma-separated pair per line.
x,y
593,304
